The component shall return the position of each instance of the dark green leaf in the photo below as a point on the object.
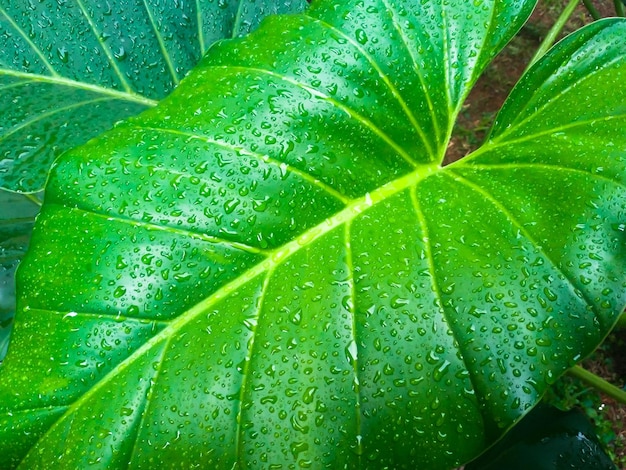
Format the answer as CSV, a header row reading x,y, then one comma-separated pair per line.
x,y
70,70
271,267
547,439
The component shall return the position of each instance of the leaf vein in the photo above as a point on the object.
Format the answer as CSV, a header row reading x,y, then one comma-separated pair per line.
x,y
47,114
516,224
104,47
160,40
553,99
244,389
353,330
350,112
514,166
264,158
430,259
388,83
58,80
410,51
32,45
172,230
117,318
145,404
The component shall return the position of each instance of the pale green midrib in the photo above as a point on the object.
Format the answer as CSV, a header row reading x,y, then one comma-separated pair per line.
x,y
279,255
262,158
475,75
32,45
104,47
164,52
430,259
146,405
446,62
554,99
237,21
353,338
201,41
244,388
390,86
57,80
35,410
100,316
498,143
526,234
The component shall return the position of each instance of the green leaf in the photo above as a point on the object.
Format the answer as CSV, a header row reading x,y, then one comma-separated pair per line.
x,y
69,71
49,103
547,439
17,216
272,268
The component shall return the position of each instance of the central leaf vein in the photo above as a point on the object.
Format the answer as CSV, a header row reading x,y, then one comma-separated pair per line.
x,y
436,290
411,52
244,389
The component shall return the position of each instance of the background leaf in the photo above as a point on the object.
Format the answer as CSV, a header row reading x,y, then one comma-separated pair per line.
x,y
72,69
272,268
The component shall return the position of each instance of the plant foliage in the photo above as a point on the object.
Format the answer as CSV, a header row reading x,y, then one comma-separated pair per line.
x,y
271,268
70,70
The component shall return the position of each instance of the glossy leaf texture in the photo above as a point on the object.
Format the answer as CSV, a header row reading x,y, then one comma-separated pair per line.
x,y
272,270
69,70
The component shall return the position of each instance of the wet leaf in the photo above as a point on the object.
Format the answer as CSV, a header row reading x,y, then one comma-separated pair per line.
x,y
59,88
271,268
70,70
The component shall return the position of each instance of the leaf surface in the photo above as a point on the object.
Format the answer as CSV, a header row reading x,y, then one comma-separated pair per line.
x,y
70,70
51,101
272,268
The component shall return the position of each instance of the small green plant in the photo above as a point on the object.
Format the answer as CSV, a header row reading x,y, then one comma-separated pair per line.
x,y
272,268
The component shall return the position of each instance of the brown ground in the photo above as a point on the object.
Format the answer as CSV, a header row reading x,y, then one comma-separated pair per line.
x,y
473,123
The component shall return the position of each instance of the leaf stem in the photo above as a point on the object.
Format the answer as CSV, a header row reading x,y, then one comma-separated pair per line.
x,y
599,383
619,8
621,322
595,14
554,31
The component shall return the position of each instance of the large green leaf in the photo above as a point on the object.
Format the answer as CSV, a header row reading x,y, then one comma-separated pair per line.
x,y
70,69
272,270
